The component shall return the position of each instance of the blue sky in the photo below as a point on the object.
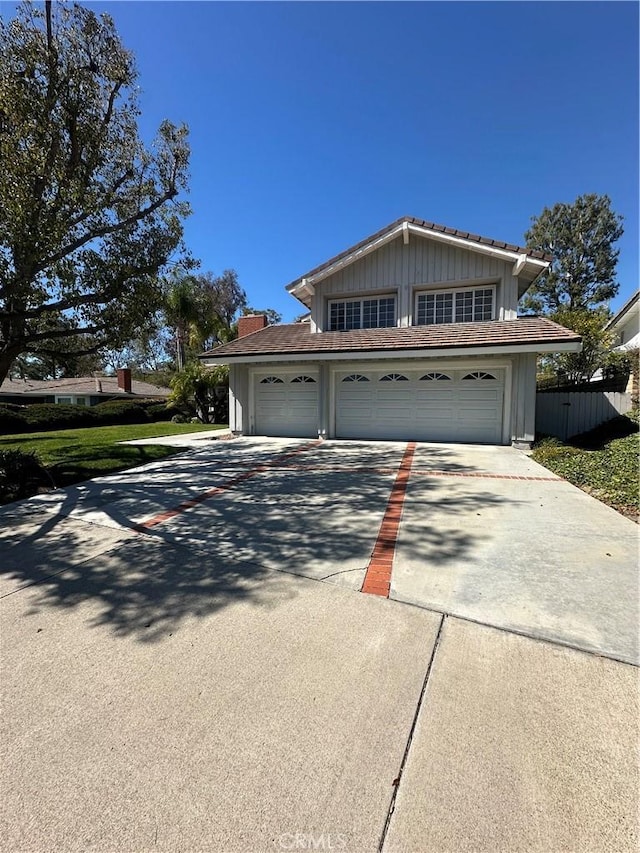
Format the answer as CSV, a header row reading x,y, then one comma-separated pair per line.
x,y
316,124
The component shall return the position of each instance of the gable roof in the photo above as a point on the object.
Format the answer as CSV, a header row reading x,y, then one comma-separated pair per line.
x,y
94,386
535,259
526,334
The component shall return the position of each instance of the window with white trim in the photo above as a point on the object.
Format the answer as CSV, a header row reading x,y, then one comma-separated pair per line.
x,y
374,313
303,379
470,305
271,380
356,377
72,401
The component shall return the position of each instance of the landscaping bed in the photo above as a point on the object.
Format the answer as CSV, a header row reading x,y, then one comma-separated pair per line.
x,y
603,462
35,462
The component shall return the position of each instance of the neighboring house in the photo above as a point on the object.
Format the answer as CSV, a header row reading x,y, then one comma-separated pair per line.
x,y
413,335
626,325
80,391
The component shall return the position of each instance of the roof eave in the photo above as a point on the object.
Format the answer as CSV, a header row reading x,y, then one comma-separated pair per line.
x,y
397,353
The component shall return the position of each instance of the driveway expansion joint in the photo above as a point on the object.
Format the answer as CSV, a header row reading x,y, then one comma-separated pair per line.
x,y
398,780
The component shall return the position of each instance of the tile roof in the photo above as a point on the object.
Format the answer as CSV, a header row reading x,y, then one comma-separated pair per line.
x,y
294,338
106,386
432,226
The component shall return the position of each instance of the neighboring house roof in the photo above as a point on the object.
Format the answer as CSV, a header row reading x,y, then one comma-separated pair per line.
x,y
531,261
617,319
626,323
105,386
532,334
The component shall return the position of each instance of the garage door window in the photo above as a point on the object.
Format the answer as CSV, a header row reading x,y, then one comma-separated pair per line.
x,y
394,377
479,374
303,379
271,380
355,377
435,377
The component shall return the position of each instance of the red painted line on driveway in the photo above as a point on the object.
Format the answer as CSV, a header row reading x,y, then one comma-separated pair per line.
x,y
143,526
369,469
377,580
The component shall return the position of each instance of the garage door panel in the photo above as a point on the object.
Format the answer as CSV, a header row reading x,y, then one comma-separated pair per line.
x,y
456,409
286,408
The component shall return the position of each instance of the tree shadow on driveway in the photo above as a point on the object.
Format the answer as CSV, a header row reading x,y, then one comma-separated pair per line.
x,y
236,546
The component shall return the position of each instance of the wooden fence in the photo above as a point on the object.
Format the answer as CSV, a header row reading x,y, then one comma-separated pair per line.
x,y
567,413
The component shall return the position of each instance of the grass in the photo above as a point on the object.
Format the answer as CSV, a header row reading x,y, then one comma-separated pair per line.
x,y
72,455
603,462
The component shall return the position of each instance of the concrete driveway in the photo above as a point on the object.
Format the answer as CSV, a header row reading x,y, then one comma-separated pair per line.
x,y
188,662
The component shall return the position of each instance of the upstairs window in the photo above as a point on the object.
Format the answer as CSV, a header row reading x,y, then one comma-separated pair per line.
x,y
463,306
376,313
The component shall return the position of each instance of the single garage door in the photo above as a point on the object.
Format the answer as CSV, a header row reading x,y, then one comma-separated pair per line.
x,y
430,405
286,405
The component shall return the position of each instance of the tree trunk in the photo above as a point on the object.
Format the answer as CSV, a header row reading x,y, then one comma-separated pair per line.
x,y
6,360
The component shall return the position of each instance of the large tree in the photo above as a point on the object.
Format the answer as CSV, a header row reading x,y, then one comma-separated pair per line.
x,y
581,279
202,310
581,238
88,214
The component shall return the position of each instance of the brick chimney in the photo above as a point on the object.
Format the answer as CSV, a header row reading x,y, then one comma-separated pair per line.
x,y
124,379
251,323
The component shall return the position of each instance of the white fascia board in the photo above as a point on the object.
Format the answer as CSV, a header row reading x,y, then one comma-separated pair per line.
x,y
366,355
296,289
301,288
474,246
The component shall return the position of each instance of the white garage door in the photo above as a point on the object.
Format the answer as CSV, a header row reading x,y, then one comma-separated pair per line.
x,y
430,405
287,405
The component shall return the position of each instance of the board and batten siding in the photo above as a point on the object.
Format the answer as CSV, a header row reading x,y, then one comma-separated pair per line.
x,y
401,268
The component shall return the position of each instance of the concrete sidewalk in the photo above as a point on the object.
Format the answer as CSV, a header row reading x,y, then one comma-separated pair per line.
x,y
192,439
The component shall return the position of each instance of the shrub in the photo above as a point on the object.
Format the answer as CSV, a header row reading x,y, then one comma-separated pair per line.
x,y
160,411
178,419
46,416
120,412
12,420
20,474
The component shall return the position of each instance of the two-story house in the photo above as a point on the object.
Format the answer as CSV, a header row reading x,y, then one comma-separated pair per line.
x,y
413,334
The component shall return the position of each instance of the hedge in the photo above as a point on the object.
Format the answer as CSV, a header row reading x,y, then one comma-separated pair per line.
x,y
41,417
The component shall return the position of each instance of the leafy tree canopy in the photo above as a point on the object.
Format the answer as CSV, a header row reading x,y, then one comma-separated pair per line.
x,y
581,238
596,342
194,388
202,310
88,214
273,317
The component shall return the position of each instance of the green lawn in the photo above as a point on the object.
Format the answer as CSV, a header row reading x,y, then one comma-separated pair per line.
x,y
72,455
605,466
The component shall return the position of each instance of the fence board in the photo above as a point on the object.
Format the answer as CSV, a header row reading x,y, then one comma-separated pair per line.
x,y
567,413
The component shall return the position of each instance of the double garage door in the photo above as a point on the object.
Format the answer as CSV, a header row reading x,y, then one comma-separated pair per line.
x,y
431,405
420,405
